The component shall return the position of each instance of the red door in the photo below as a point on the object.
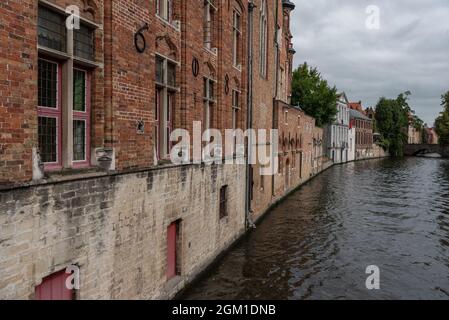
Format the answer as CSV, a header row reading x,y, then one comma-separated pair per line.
x,y
171,250
54,287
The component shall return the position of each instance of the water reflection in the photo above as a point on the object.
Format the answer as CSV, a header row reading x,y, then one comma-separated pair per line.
x,y
318,243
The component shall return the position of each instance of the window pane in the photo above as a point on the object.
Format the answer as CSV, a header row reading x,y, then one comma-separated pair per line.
x,y
211,90
79,90
51,30
47,84
159,70
84,42
79,140
171,74
47,132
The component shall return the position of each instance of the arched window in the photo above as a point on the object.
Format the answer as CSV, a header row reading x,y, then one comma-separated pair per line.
x,y
263,39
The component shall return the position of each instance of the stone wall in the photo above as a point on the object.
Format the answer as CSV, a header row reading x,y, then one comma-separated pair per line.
x,y
114,227
370,153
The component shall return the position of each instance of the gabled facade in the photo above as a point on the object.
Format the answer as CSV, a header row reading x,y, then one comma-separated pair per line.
x,y
337,133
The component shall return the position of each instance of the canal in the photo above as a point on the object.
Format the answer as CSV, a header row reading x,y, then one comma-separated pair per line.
x,y
318,243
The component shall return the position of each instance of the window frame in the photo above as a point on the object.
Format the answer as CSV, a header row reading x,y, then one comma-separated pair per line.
x,y
263,40
56,113
169,10
236,108
86,117
209,23
236,38
208,101
164,106
68,62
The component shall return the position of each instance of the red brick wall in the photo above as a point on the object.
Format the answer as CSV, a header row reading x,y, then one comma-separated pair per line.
x,y
18,60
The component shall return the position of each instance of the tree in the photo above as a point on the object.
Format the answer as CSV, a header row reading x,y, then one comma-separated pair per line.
x,y
314,95
392,122
442,122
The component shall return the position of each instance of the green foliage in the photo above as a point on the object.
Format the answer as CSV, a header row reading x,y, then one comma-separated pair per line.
x,y
314,95
442,122
392,122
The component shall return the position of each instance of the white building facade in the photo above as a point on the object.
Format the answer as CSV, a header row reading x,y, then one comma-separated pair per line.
x,y
351,142
337,133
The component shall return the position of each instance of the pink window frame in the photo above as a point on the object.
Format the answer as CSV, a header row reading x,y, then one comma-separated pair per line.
x,y
157,122
57,114
84,116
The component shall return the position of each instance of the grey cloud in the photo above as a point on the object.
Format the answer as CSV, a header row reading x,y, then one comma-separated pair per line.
x,y
409,52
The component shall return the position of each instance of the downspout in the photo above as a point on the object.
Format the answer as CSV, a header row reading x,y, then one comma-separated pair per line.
x,y
249,117
276,37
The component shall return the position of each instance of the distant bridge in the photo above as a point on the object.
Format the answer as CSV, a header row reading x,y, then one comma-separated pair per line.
x,y
419,149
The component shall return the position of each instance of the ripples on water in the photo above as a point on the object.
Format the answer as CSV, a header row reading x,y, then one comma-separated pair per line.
x,y
319,241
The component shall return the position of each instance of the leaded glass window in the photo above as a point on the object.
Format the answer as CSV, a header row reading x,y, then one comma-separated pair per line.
x,y
47,84
84,42
48,139
79,140
52,31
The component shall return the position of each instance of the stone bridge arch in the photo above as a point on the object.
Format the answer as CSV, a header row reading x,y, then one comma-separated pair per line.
x,y
416,149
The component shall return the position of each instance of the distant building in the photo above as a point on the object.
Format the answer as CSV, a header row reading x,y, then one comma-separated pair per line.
x,y
432,136
363,134
414,134
370,113
357,106
351,140
336,135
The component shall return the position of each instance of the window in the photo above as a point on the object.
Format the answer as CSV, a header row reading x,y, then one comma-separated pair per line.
x,y
165,99
235,109
223,202
56,95
84,42
54,287
52,32
164,9
209,101
209,20
49,112
81,111
235,115
263,40
236,36
286,117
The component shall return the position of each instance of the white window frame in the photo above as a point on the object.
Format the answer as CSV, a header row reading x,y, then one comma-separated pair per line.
x,y
208,101
208,22
165,113
263,43
236,38
167,9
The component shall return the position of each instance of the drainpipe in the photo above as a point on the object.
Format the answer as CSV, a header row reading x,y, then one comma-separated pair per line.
x,y
277,79
249,118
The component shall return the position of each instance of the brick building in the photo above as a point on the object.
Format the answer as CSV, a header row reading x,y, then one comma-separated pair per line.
x,y
86,114
85,120
363,134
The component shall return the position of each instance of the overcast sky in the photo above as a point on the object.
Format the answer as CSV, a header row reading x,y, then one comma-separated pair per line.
x,y
410,50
